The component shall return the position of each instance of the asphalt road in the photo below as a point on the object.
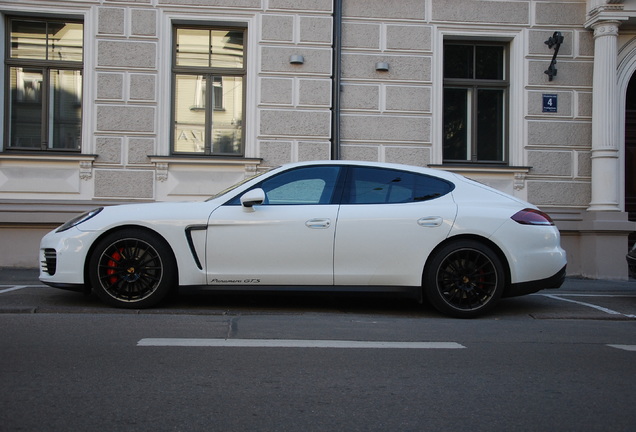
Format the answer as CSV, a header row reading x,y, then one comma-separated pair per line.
x,y
562,360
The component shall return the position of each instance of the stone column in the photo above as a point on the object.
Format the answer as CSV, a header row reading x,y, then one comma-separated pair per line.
x,y
605,121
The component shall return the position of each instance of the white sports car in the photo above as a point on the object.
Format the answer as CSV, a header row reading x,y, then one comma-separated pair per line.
x,y
320,226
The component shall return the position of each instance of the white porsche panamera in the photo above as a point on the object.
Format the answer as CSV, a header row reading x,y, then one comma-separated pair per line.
x,y
320,226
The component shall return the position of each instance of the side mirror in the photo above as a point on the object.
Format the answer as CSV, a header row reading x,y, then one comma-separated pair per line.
x,y
252,198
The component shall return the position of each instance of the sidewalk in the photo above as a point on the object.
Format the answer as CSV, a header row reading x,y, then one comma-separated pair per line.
x,y
29,276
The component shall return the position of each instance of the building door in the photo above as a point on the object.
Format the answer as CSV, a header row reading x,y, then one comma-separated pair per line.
x,y
630,154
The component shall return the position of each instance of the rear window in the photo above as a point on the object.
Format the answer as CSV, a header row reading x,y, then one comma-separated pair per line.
x,y
387,186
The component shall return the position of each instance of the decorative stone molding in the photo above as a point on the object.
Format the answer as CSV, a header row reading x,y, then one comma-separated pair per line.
x,y
162,171
86,170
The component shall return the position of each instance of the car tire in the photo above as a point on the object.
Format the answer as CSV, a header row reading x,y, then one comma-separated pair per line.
x,y
464,279
132,269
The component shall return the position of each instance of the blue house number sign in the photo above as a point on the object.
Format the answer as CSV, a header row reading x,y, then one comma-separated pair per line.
x,y
549,103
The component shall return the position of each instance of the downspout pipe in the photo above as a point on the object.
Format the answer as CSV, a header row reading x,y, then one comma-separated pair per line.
x,y
335,79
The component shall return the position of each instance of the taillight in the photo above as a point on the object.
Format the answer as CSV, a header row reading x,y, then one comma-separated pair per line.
x,y
532,217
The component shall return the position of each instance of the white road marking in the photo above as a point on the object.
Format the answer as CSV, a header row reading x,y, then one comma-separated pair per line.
x,y
623,347
597,307
13,288
293,343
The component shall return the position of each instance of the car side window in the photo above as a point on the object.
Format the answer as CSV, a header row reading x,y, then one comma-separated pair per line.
x,y
387,186
300,186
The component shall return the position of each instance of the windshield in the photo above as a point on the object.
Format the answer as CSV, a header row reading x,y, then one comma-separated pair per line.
x,y
234,186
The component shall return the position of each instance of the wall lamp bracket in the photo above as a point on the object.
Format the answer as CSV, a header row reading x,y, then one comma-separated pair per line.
x,y
296,59
554,41
382,67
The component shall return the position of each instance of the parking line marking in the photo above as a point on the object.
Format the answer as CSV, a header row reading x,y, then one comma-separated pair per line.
x,y
623,347
597,307
13,288
293,343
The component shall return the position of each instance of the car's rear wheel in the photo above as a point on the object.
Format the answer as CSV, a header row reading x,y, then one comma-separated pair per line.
x,y
132,269
464,279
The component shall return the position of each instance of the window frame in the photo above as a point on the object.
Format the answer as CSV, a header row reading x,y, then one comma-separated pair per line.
x,y
473,86
209,74
45,66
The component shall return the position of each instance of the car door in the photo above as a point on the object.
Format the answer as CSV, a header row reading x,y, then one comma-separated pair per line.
x,y
388,223
287,240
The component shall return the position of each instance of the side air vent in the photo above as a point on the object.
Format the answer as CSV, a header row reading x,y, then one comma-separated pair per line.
x,y
49,265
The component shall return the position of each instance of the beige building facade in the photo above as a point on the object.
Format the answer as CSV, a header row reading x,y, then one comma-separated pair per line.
x,y
109,102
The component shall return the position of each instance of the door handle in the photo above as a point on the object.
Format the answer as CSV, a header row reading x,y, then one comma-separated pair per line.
x,y
430,221
318,223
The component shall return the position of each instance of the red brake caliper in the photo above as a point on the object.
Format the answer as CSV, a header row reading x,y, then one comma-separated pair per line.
x,y
112,264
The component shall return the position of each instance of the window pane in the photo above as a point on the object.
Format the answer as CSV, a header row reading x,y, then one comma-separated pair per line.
x,y
227,49
193,47
490,125
458,61
227,123
26,107
65,109
314,185
489,63
456,124
65,41
28,39
190,103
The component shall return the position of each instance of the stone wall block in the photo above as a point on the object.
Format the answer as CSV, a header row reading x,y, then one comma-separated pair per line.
x,y
110,86
295,123
479,11
584,164
559,193
279,28
360,97
124,184
278,91
302,5
361,153
308,151
380,9
408,98
569,73
125,118
550,163
250,4
276,59
143,22
361,36
108,150
316,30
408,37
314,92
585,104
560,134
385,128
275,153
402,68
142,87
126,54
139,149
111,21
560,13
418,156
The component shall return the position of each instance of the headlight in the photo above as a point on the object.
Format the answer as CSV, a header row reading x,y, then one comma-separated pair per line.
x,y
79,219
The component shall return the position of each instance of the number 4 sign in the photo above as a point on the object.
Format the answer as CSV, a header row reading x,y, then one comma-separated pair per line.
x,y
549,103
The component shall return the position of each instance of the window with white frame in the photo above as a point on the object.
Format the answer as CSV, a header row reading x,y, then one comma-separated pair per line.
x,y
476,91
44,62
208,88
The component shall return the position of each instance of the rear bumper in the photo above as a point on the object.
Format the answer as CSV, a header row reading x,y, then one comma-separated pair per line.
x,y
523,288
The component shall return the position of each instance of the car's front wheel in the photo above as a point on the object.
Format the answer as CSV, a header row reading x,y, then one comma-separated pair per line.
x,y
132,269
464,279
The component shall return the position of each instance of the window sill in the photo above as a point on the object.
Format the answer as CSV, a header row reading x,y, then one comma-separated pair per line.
x,y
485,168
48,156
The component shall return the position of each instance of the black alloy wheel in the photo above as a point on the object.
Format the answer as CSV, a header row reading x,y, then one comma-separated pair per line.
x,y
464,279
132,269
